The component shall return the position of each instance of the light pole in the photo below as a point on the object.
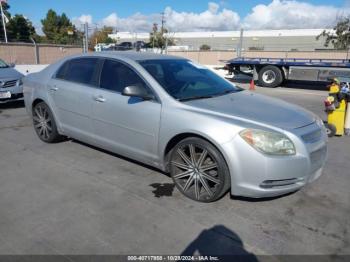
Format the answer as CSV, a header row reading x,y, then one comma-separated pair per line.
x,y
239,49
3,19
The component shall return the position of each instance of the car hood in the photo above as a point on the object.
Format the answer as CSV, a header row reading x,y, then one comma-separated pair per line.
x,y
9,73
257,108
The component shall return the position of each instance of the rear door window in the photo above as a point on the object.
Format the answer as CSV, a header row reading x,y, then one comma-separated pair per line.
x,y
80,70
62,71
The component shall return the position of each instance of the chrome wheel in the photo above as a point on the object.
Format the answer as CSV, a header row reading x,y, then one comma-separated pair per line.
x,y
195,172
269,76
42,122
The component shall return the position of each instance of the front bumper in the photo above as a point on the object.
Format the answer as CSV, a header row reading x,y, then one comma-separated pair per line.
x,y
16,94
256,175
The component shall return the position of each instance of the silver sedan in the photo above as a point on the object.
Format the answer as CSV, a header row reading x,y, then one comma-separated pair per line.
x,y
11,88
180,117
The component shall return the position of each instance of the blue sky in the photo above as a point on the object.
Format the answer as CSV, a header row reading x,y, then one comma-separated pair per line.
x,y
99,10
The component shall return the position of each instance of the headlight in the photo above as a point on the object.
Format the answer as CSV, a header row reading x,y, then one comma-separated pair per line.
x,y
19,82
271,143
319,122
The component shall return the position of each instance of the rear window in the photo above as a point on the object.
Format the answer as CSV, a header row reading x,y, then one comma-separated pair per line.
x,y
80,70
62,71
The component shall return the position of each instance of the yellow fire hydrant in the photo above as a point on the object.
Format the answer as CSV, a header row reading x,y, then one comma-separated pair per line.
x,y
336,109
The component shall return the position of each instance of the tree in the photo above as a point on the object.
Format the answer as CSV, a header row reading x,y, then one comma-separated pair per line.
x,y
158,38
58,29
204,47
101,36
20,29
340,36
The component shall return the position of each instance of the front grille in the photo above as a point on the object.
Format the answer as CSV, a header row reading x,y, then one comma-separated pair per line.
x,y
10,83
317,158
312,137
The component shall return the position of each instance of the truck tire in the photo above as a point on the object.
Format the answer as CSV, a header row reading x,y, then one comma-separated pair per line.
x,y
270,76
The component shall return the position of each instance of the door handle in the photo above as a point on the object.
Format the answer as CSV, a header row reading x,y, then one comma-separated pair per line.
x,y
54,88
100,99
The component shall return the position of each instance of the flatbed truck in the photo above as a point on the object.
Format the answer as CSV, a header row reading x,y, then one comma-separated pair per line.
x,y
272,72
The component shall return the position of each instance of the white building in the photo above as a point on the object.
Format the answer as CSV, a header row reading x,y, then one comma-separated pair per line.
x,y
268,40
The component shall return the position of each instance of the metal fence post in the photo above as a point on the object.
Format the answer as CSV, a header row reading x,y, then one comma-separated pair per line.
x,y
36,51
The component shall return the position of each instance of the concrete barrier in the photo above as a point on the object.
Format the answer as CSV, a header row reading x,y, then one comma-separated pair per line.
x,y
28,69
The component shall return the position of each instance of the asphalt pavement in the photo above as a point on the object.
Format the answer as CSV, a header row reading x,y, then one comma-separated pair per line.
x,y
71,198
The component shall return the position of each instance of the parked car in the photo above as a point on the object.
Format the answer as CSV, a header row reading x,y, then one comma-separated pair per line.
x,y
138,45
124,46
11,88
182,118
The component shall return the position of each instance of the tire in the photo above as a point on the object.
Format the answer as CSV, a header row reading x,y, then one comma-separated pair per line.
x,y
199,170
331,129
44,124
270,76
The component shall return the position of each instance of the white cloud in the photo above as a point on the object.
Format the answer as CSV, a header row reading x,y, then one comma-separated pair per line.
x,y
134,23
39,29
111,20
283,14
79,21
211,19
279,14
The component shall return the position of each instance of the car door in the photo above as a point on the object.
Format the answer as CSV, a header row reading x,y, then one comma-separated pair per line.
x,y
71,91
125,125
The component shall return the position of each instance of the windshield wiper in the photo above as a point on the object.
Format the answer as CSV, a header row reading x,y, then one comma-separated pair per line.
x,y
194,98
226,92
208,96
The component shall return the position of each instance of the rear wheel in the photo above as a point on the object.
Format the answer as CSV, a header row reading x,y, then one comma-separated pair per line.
x,y
199,170
270,76
44,123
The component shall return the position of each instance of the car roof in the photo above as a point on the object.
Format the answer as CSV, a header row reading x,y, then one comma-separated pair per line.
x,y
132,55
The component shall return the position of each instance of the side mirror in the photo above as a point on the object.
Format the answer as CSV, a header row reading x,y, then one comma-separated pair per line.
x,y
12,65
137,91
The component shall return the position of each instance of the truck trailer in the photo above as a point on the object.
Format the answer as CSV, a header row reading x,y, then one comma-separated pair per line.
x,y
272,72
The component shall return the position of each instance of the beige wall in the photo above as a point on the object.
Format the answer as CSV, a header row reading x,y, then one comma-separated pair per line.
x,y
25,53
214,57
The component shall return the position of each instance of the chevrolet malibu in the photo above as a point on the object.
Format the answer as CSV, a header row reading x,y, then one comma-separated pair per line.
x,y
11,88
179,117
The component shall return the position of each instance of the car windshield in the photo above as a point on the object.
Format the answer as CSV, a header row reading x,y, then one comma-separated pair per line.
x,y
3,64
186,80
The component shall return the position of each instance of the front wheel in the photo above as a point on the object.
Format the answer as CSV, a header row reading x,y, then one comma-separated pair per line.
x,y
44,123
199,170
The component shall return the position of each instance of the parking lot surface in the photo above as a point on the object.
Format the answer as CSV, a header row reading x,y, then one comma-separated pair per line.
x,y
70,198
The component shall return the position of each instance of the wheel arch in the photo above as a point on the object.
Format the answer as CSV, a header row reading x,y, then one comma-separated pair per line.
x,y
181,136
37,101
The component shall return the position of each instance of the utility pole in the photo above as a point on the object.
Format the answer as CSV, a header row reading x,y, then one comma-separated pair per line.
x,y
166,45
240,46
162,28
163,20
86,36
3,20
84,45
155,29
